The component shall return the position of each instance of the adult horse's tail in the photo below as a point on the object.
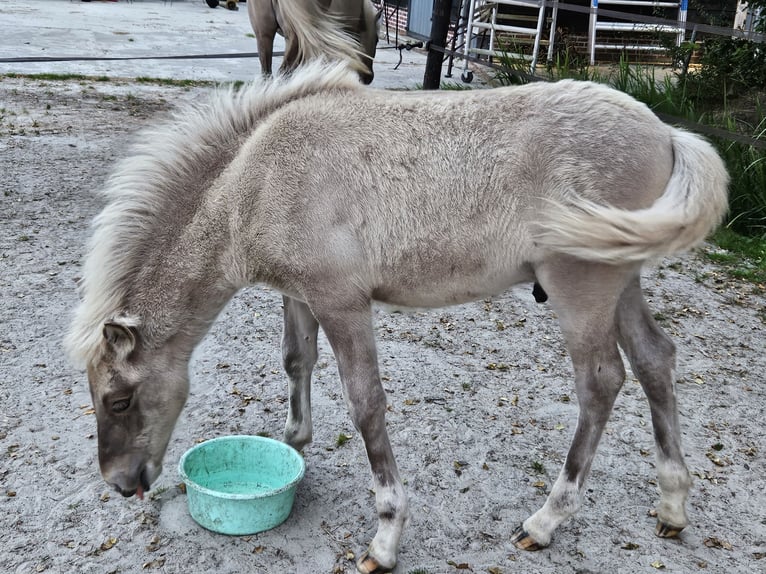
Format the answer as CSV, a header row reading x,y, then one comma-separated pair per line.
x,y
311,33
693,204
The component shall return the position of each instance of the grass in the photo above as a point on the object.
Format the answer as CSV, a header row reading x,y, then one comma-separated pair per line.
x,y
59,77
83,78
342,439
742,257
172,82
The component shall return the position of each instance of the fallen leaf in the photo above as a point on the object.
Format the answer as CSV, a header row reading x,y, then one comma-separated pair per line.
x,y
461,566
497,367
158,563
110,542
154,544
658,565
258,549
539,484
629,546
713,542
494,570
716,460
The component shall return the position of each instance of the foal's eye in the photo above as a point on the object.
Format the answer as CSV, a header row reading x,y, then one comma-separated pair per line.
x,y
120,406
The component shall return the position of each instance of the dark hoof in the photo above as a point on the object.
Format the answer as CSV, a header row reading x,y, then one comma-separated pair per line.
x,y
523,541
666,530
368,565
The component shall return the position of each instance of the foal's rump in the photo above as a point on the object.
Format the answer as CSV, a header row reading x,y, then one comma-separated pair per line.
x,y
693,204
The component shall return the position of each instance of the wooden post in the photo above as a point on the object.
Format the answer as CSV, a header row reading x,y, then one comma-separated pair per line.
x,y
439,27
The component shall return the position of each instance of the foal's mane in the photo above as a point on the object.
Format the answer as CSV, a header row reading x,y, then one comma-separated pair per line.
x,y
144,186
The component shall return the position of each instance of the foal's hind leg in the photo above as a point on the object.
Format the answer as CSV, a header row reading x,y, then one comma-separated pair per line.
x,y
349,330
299,355
652,357
584,297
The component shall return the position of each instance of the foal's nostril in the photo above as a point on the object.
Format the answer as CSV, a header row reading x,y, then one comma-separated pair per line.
x,y
123,492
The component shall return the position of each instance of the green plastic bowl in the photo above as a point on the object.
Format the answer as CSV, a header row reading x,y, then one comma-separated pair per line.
x,y
241,484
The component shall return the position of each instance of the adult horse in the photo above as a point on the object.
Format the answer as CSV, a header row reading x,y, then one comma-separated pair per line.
x,y
311,27
339,196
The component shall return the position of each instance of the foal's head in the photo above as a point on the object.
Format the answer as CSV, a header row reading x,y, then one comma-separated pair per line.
x,y
138,394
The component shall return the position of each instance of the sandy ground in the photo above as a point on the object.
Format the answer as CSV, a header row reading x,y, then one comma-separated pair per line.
x,y
481,403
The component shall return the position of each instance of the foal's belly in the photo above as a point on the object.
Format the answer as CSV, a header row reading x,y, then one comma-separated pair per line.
x,y
408,292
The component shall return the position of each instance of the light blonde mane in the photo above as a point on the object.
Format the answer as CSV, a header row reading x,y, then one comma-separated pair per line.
x,y
147,184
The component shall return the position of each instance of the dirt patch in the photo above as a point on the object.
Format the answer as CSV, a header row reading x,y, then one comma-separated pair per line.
x,y
481,404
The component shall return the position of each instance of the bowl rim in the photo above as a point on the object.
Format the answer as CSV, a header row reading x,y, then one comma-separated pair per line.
x,y
190,483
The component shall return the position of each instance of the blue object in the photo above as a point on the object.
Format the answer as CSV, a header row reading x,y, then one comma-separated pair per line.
x,y
241,484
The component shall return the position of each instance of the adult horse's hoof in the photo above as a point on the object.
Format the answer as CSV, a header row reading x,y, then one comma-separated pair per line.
x,y
368,565
523,541
666,530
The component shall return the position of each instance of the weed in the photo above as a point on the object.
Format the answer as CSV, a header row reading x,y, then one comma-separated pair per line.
x,y
342,439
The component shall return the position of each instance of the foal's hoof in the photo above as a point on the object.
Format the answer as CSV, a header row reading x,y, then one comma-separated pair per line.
x,y
523,541
666,530
368,565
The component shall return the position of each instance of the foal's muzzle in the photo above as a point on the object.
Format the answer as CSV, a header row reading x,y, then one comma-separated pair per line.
x,y
136,484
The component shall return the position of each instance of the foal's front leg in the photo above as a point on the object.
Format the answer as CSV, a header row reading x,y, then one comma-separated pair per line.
x,y
299,355
350,333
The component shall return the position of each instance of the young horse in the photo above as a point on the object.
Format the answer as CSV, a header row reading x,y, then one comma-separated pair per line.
x,y
339,196
311,29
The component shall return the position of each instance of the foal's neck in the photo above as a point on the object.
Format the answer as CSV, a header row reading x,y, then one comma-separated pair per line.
x,y
187,278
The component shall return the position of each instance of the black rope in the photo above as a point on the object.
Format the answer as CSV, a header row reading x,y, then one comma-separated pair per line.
x,y
26,59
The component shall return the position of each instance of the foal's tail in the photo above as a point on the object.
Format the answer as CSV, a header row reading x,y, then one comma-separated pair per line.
x,y
311,33
694,203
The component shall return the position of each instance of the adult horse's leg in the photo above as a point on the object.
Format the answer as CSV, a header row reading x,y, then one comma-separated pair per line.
x,y
299,355
349,329
264,24
584,296
652,357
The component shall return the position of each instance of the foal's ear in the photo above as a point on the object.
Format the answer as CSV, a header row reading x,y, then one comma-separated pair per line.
x,y
120,338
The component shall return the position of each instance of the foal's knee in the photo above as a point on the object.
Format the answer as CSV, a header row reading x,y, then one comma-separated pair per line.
x,y
298,362
366,405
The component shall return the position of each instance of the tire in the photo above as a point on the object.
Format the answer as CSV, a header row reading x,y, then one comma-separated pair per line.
x,y
212,3
467,76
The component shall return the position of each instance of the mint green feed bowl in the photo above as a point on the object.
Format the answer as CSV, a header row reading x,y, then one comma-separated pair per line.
x,y
241,484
